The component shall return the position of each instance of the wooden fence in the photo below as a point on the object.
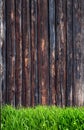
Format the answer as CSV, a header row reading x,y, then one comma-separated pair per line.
x,y
42,52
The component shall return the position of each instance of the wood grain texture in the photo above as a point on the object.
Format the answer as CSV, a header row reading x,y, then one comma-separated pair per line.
x,y
26,54
70,75
52,94
18,49
61,52
42,52
82,50
77,52
4,54
43,61
1,43
34,57
10,35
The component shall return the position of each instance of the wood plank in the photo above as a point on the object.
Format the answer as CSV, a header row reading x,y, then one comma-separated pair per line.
x,y
1,43
82,49
4,55
77,52
10,34
69,59
34,71
43,46
61,52
18,48
26,54
52,94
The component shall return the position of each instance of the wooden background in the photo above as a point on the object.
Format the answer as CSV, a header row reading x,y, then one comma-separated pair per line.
x,y
42,52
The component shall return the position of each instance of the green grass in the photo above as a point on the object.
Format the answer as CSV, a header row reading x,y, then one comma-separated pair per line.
x,y
42,118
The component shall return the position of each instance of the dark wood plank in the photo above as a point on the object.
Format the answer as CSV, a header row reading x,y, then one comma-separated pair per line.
x,y
43,45
82,50
61,52
34,71
10,51
77,52
18,56
52,94
4,55
26,54
1,44
70,49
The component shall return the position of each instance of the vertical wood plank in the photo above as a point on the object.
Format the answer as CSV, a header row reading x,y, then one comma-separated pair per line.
x,y
52,94
82,49
10,51
43,45
77,52
69,59
34,71
1,43
26,54
4,55
61,51
18,58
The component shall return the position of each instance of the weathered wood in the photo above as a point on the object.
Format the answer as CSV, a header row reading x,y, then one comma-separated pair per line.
x,y
43,52
69,59
18,49
82,50
10,34
61,52
26,54
4,54
43,45
77,52
52,94
1,43
34,71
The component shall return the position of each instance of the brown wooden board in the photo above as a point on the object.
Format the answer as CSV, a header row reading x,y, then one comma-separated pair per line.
x,y
1,43
43,45
52,94
77,52
26,54
82,50
70,75
4,54
34,57
61,52
10,38
18,49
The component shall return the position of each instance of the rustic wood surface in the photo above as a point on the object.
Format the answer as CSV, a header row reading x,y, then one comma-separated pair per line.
x,y
18,49
1,42
42,52
10,48
69,69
